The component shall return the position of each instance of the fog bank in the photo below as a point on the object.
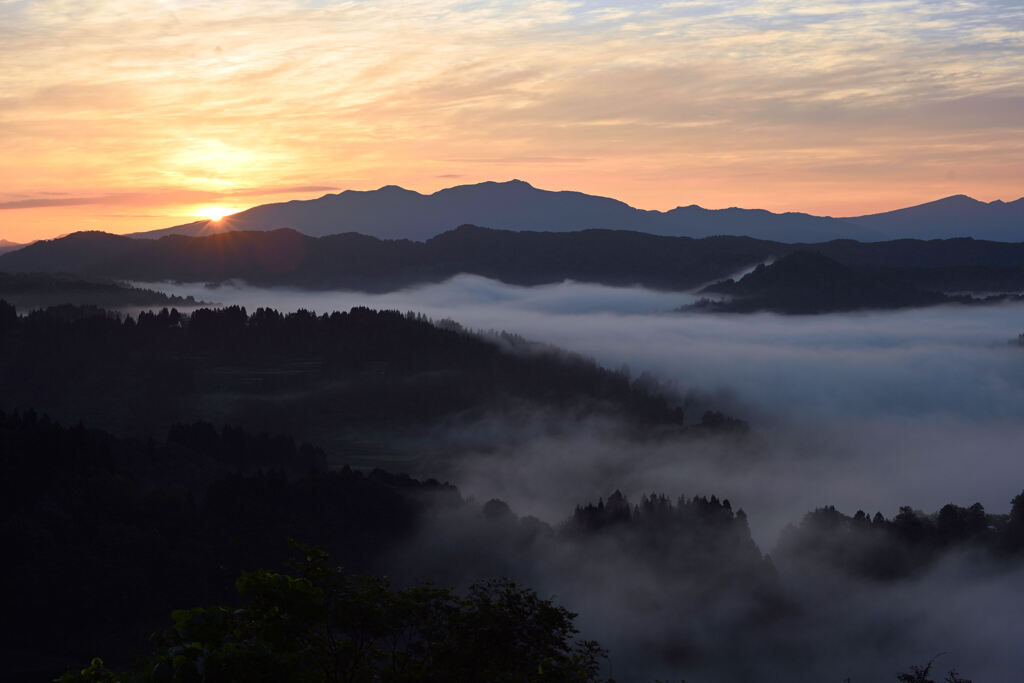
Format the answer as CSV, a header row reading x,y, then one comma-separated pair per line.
x,y
862,411
918,407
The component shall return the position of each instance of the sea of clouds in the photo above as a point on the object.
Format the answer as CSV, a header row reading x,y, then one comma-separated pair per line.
x,y
919,407
868,411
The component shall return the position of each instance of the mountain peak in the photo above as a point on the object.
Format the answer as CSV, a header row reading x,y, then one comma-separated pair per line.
x,y
957,199
88,235
395,189
513,184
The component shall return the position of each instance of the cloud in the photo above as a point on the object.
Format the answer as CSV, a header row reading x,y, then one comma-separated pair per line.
x,y
283,190
869,410
133,93
862,411
47,199
38,202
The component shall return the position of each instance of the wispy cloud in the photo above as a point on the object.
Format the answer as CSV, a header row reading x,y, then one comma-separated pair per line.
x,y
45,199
37,202
659,103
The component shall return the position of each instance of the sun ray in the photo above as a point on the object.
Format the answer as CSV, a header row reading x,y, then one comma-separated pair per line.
x,y
214,213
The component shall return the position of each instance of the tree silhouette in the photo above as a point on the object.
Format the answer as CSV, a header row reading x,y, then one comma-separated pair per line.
x,y
324,625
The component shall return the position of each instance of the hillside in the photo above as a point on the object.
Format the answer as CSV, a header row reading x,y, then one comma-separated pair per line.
x,y
39,290
358,262
152,525
806,282
353,261
364,384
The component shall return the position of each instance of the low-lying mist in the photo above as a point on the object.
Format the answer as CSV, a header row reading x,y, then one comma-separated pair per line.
x,y
663,623
940,360
872,410
864,411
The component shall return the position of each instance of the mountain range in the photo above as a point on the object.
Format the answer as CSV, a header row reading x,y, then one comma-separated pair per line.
x,y
613,257
392,212
354,261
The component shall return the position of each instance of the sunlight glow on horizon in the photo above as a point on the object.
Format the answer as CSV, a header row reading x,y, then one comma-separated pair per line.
x,y
126,116
214,213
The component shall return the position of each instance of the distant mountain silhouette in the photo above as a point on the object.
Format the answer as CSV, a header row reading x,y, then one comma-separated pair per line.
x,y
6,246
80,253
354,261
396,213
956,216
359,262
808,282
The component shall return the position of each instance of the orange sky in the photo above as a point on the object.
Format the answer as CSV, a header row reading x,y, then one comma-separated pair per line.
x,y
127,115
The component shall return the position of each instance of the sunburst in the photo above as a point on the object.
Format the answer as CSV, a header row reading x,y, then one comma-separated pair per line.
x,y
214,213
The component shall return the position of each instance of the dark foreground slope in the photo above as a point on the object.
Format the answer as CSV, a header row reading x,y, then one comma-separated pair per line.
x,y
357,382
103,537
358,262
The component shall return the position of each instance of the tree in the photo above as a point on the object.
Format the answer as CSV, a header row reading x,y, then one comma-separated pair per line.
x,y
8,316
326,626
1014,533
919,674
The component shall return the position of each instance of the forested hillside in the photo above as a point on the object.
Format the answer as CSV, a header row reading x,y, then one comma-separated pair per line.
x,y
612,257
352,382
27,291
152,525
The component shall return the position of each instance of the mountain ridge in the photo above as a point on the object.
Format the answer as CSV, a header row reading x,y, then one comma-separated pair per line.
x,y
957,215
355,261
807,282
7,245
393,212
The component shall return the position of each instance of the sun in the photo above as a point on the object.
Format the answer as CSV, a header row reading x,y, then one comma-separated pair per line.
x,y
214,213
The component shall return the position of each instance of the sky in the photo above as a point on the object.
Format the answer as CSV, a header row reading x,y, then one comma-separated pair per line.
x,y
127,115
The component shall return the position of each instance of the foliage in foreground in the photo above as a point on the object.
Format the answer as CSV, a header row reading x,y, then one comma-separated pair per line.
x,y
323,625
919,674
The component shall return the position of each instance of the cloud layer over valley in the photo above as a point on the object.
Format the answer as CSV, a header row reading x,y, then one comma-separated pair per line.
x,y
864,411
918,407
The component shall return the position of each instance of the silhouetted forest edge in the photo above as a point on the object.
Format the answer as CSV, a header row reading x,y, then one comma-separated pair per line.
x,y
155,526
353,261
155,458
807,282
29,291
365,384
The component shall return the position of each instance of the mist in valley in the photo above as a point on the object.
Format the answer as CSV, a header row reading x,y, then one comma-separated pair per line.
x,y
918,407
868,411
